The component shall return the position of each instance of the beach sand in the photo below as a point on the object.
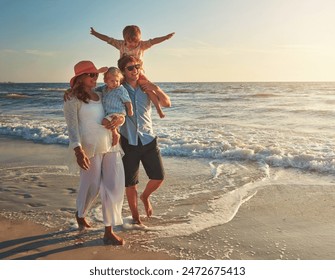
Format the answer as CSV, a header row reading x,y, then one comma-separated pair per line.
x,y
290,217
26,240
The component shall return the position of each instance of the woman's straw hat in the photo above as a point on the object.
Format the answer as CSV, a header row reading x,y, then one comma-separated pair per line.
x,y
84,67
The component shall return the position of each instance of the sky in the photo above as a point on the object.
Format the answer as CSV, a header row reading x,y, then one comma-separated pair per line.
x,y
215,40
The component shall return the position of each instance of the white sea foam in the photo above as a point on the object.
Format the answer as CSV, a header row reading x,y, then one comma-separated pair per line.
x,y
213,121
221,210
17,95
307,152
52,89
212,202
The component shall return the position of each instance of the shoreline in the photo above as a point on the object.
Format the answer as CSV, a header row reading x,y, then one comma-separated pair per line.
x,y
288,217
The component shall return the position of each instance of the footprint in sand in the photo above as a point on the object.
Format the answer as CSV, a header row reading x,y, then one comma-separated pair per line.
x,y
24,195
36,204
70,210
35,178
72,190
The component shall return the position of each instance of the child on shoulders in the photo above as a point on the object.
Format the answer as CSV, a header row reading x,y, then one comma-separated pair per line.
x,y
133,45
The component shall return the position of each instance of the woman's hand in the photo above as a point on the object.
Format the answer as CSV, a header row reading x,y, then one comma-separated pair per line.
x,y
82,160
115,122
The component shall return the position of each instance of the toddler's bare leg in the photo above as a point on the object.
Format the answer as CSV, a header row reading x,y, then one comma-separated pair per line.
x,y
129,107
116,137
153,97
150,88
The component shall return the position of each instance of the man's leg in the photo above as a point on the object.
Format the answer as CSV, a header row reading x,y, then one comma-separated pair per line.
x,y
153,165
132,197
152,186
131,164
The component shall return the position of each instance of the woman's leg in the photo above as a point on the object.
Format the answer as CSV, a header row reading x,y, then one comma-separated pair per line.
x,y
112,195
88,189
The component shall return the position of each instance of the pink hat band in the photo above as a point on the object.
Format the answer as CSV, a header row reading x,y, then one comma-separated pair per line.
x,y
84,67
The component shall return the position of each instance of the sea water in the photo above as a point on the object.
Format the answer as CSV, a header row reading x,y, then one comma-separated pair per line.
x,y
221,142
278,124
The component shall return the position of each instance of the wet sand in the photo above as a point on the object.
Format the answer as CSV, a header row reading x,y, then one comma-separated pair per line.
x,y
26,240
289,217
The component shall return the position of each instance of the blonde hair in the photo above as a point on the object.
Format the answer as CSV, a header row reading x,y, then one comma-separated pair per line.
x,y
132,33
115,72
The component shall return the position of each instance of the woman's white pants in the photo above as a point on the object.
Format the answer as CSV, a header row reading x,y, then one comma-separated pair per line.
x,y
106,174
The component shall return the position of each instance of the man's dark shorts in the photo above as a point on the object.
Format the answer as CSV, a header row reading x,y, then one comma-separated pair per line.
x,y
150,157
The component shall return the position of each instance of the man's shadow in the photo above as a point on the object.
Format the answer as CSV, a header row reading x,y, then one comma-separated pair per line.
x,y
70,239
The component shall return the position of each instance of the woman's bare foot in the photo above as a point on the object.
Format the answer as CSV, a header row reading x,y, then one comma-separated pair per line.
x,y
111,238
82,222
147,206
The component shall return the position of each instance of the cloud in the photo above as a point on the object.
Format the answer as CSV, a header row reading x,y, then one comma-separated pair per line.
x,y
7,51
195,48
31,52
279,49
199,51
305,48
39,53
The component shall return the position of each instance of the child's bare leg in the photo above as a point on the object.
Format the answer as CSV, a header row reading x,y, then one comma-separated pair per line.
x,y
115,136
150,89
153,97
129,107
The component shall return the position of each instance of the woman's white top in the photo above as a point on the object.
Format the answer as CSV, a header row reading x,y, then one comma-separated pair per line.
x,y
84,127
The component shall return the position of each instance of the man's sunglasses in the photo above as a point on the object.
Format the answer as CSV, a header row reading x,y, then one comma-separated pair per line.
x,y
131,67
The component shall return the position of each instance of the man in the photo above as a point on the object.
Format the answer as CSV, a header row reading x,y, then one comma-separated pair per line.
x,y
138,140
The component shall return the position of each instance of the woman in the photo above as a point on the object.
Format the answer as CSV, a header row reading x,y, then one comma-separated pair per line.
x,y
101,166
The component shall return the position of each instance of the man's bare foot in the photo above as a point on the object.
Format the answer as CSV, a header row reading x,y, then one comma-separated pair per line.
x,y
137,222
112,239
147,206
82,222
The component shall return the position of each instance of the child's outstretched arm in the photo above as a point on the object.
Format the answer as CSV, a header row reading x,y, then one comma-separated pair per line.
x,y
158,40
99,35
